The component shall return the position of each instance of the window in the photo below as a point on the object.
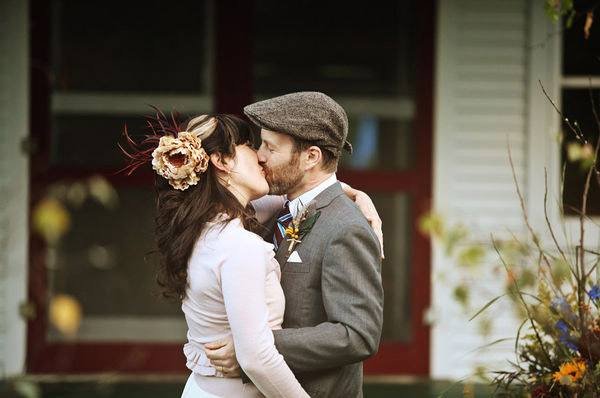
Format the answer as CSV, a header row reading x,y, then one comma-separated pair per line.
x,y
108,63
367,59
374,80
580,62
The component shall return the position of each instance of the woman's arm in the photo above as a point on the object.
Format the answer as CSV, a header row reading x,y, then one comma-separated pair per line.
x,y
366,206
268,207
243,277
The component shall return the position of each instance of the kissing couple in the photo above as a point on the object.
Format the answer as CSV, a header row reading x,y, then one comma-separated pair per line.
x,y
277,264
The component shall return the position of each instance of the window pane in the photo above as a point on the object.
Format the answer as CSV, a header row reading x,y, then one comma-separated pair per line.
x,y
90,141
580,55
155,46
306,46
108,61
363,57
396,268
105,259
577,107
379,143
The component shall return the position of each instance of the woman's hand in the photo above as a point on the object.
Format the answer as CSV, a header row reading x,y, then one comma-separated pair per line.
x,y
366,206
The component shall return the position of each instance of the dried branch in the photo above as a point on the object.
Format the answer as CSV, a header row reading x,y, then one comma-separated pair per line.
x,y
525,306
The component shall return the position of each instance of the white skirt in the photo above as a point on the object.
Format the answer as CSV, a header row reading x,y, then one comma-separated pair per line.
x,y
192,390
220,387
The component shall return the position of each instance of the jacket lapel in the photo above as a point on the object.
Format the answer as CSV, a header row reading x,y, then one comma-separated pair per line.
x,y
282,254
322,200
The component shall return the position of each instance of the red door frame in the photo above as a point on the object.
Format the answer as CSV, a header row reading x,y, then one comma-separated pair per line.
x,y
233,77
233,90
412,357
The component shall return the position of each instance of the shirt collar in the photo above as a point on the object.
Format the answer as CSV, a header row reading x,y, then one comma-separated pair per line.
x,y
301,201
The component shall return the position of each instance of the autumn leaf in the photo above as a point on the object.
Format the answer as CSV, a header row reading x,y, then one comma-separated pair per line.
x,y
432,224
589,20
461,295
51,220
101,190
65,314
471,256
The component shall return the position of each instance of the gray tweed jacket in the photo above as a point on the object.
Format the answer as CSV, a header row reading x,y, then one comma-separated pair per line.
x,y
334,299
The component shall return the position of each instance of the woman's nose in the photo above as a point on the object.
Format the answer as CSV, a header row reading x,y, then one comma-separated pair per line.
x,y
261,156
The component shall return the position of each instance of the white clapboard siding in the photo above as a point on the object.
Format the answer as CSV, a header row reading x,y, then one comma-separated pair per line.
x,y
14,180
481,109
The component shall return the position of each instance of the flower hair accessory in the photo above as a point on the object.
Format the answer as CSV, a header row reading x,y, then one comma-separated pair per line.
x,y
180,160
176,155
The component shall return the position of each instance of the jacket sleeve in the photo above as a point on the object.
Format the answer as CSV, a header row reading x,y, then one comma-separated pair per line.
x,y
353,299
243,275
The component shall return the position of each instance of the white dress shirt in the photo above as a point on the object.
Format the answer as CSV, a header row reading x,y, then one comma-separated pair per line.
x,y
298,204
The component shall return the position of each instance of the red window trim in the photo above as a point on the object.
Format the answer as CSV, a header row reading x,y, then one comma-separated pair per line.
x,y
233,91
413,357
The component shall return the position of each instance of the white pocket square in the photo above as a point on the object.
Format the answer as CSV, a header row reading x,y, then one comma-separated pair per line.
x,y
294,258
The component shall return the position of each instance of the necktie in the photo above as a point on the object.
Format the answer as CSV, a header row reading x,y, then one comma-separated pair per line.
x,y
284,218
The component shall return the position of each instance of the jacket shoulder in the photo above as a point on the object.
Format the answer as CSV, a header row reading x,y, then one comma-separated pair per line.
x,y
342,215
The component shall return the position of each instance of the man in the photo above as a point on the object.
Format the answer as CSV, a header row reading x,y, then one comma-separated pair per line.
x,y
331,277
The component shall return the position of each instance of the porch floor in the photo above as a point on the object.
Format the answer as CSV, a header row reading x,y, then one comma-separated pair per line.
x,y
104,388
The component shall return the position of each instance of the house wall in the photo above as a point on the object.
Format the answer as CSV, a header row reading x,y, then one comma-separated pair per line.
x,y
481,98
14,182
490,56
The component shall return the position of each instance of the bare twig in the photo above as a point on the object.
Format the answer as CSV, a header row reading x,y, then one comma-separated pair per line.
x,y
525,306
548,223
534,236
563,118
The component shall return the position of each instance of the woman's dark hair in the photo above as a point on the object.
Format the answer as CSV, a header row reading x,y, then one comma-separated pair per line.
x,y
181,215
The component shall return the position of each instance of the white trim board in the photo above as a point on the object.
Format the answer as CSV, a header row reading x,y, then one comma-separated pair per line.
x,y
128,329
14,183
128,103
481,99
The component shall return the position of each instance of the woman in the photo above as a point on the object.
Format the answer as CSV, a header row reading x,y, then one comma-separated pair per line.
x,y
211,255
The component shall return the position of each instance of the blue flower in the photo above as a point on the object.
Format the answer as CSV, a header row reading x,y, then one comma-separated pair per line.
x,y
594,293
565,339
562,326
565,335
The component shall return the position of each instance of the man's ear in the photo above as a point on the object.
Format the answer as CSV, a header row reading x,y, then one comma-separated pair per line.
x,y
312,157
218,160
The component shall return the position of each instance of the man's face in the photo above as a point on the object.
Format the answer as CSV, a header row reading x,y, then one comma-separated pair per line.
x,y
280,162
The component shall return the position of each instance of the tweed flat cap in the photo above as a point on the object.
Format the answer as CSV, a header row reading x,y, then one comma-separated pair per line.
x,y
308,115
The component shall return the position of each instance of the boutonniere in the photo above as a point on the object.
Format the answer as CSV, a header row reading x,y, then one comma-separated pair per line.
x,y
300,227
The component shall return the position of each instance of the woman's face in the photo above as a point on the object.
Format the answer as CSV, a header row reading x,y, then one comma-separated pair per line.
x,y
247,175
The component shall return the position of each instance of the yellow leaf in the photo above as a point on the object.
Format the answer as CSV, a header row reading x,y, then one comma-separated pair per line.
x,y
574,152
471,256
461,295
431,224
589,20
65,314
51,220
561,272
103,192
455,236
76,194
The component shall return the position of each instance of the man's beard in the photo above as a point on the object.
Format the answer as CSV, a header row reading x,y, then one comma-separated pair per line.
x,y
282,179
